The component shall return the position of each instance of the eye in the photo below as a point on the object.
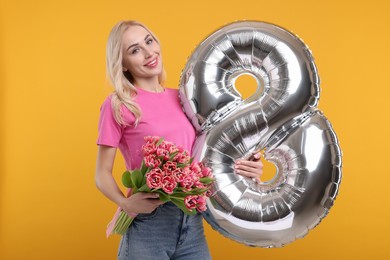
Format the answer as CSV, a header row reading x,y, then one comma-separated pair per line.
x,y
134,51
149,41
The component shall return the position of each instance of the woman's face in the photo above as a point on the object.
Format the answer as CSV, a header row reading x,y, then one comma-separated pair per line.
x,y
141,53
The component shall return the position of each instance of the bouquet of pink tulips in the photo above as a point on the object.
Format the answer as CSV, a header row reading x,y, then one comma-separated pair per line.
x,y
169,171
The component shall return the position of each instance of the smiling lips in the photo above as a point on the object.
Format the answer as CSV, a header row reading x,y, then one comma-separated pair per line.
x,y
152,64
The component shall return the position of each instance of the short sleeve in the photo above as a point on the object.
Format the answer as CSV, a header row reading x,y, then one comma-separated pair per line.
x,y
110,132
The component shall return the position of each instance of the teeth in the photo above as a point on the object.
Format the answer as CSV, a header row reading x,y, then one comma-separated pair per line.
x,y
152,62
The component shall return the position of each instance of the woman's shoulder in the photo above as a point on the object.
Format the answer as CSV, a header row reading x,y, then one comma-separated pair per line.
x,y
107,102
108,109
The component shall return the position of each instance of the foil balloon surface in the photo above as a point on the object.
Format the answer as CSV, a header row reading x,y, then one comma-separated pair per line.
x,y
280,118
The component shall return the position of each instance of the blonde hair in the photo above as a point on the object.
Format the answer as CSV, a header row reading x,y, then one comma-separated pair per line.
x,y
122,81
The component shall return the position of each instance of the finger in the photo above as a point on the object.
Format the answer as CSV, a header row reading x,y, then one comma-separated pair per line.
x,y
247,174
159,202
149,195
132,214
256,156
248,162
154,203
254,170
249,165
257,180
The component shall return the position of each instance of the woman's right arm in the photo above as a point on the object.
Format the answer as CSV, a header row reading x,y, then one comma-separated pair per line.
x,y
105,182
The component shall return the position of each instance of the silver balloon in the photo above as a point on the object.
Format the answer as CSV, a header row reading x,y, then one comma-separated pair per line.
x,y
280,118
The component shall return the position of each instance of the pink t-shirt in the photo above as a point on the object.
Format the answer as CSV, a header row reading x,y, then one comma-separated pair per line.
x,y
162,116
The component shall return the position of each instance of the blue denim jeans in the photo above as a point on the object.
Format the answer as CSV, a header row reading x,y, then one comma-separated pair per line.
x,y
166,233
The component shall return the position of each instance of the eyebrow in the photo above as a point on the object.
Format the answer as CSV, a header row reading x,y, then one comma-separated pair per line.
x,y
135,44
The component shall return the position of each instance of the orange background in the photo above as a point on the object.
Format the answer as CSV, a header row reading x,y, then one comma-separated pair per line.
x,y
52,78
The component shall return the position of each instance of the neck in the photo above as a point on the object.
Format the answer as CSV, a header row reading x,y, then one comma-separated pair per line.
x,y
151,85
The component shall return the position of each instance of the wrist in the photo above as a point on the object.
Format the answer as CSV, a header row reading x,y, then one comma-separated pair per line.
x,y
122,202
126,205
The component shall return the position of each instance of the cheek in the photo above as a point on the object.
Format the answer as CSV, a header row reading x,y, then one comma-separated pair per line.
x,y
156,47
131,63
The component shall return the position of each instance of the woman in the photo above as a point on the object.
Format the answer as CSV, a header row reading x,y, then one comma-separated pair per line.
x,y
142,106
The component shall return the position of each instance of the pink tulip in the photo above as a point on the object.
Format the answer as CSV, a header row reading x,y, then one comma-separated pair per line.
x,y
182,157
151,161
201,203
168,184
195,168
154,179
162,153
190,201
206,172
169,167
178,174
187,183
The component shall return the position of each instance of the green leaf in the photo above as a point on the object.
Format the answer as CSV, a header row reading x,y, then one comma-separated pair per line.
x,y
126,179
181,165
178,193
196,191
160,141
172,155
163,197
144,169
137,178
191,160
144,188
180,205
206,180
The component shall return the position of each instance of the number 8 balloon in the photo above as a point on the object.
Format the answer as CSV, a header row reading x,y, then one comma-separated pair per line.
x,y
280,118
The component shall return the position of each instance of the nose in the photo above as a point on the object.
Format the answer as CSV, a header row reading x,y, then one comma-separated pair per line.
x,y
148,52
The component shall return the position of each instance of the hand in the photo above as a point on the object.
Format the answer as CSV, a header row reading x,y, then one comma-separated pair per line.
x,y
140,202
252,168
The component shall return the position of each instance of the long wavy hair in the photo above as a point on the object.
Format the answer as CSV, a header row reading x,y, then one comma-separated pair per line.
x,y
122,81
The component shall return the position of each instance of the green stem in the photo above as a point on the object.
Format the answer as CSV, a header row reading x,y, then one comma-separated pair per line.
x,y
122,224
173,197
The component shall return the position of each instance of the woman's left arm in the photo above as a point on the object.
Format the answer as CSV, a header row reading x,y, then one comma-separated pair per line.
x,y
250,168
